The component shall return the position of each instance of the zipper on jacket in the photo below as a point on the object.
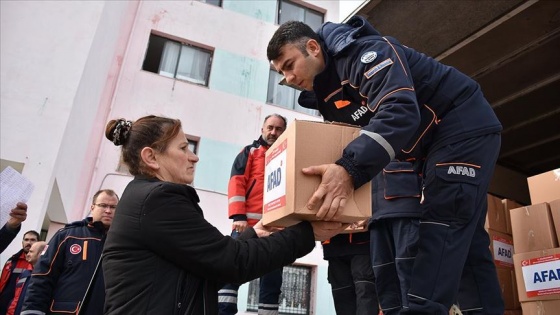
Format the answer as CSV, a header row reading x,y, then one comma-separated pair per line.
x,y
178,298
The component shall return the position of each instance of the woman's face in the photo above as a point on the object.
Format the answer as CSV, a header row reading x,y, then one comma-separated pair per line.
x,y
176,164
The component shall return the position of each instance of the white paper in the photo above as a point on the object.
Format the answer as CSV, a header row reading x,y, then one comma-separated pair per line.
x,y
14,188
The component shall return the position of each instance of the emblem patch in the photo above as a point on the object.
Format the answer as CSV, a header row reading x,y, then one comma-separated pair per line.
x,y
341,104
368,57
75,249
385,63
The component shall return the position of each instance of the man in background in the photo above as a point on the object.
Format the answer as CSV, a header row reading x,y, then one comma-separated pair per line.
x,y
14,266
68,277
245,201
350,273
32,257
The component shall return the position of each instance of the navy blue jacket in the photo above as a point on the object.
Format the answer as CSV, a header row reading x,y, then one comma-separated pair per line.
x,y
407,102
7,235
61,276
396,190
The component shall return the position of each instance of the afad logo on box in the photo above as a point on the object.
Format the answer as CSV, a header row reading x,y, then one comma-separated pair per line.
x,y
275,170
274,179
541,275
503,250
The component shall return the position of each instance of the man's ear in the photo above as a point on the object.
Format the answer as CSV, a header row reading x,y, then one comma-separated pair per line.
x,y
313,47
148,156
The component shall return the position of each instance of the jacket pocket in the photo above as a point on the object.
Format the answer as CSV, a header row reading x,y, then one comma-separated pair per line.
x,y
401,181
454,191
64,307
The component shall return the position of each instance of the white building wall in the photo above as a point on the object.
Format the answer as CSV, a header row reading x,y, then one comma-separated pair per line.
x,y
51,84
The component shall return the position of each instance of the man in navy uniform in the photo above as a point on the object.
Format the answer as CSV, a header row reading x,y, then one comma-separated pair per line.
x,y
422,110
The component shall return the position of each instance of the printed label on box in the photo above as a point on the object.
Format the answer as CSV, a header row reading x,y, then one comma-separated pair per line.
x,y
503,251
275,178
541,275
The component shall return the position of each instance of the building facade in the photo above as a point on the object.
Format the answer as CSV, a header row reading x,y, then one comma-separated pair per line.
x,y
68,67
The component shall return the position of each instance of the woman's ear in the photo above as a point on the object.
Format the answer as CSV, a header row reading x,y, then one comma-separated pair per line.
x,y
149,158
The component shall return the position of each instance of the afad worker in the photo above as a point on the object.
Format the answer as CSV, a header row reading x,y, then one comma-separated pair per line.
x,y
245,204
422,109
393,227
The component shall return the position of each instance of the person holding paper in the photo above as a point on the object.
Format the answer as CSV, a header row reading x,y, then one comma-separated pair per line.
x,y
68,276
13,226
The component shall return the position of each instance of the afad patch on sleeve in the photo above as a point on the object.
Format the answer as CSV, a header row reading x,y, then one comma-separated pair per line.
x,y
383,64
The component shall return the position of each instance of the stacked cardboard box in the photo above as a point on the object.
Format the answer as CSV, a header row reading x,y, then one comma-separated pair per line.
x,y
502,248
535,230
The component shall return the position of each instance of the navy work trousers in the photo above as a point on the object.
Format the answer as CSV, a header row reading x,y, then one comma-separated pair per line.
x,y
353,285
393,250
451,234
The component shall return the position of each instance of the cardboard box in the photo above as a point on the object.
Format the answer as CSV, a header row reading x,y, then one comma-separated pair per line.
x,y
533,228
541,307
496,215
544,187
508,205
516,303
501,246
287,190
506,286
555,212
538,275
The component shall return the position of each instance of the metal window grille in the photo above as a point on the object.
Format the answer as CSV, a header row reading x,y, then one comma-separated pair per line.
x,y
296,291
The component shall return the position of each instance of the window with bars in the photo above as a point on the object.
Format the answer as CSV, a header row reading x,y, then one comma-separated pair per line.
x,y
289,11
296,291
173,59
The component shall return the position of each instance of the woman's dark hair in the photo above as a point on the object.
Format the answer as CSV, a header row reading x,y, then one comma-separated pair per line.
x,y
149,131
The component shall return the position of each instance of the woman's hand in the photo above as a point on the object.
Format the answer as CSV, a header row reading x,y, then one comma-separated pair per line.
x,y
264,231
324,230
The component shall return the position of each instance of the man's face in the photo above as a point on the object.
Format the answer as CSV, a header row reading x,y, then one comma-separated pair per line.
x,y
28,240
34,252
297,68
272,129
104,209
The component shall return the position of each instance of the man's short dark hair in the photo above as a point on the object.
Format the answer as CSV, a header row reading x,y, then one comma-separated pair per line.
x,y
32,232
109,192
291,32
